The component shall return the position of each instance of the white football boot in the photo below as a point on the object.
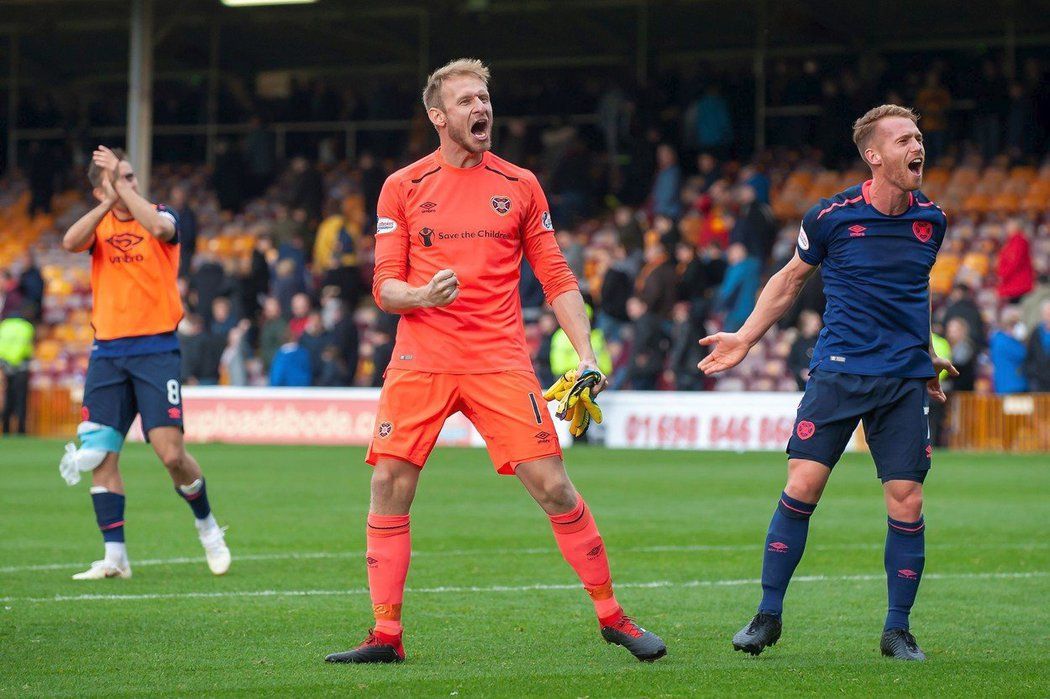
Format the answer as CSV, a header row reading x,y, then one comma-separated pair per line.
x,y
100,570
215,549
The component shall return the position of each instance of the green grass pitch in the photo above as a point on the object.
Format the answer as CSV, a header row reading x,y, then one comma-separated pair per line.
x,y
492,610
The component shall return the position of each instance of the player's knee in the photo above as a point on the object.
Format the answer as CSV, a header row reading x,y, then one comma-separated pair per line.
x,y
173,459
904,503
807,490
382,482
558,495
391,484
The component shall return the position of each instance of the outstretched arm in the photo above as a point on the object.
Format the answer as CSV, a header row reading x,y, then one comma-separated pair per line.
x,y
729,349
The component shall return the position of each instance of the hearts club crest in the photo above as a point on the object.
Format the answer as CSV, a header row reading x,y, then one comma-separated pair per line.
x,y
923,230
501,205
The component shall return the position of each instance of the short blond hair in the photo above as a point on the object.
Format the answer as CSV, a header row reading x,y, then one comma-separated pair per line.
x,y
863,127
452,69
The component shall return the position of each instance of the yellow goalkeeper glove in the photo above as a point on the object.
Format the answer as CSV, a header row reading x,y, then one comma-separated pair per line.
x,y
576,403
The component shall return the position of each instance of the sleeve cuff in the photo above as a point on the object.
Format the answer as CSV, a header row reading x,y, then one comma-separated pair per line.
x,y
564,287
805,257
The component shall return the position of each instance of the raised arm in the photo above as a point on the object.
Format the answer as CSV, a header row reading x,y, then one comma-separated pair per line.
x,y
81,235
160,225
729,349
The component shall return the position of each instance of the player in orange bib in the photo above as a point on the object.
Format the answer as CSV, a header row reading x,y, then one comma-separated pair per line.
x,y
452,229
135,365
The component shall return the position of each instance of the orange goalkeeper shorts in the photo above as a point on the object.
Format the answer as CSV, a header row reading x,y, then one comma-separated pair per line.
x,y
506,407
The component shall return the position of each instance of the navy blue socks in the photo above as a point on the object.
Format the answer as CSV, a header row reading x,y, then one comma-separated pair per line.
x,y
905,558
196,494
785,543
109,512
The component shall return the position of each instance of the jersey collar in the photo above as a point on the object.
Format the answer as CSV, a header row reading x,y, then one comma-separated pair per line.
x,y
452,168
865,191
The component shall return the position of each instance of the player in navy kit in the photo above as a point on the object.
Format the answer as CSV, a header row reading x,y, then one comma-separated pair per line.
x,y
876,243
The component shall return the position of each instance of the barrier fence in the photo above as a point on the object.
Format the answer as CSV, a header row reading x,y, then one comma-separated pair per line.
x,y
1015,423
742,421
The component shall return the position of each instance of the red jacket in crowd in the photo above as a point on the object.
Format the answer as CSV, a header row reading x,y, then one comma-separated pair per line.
x,y
1016,276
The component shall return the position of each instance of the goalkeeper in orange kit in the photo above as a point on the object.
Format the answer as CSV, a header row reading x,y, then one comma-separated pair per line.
x,y
451,233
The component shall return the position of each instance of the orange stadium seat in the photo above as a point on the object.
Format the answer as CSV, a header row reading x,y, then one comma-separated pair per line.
x,y
977,203
1007,202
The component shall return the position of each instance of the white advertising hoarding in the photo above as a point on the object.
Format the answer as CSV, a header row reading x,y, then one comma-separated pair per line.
x,y
633,419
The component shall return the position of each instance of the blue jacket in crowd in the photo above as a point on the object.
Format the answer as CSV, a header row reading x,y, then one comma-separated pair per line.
x,y
737,295
291,366
1007,355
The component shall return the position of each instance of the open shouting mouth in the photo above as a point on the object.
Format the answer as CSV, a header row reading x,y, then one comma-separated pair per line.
x,y
915,166
480,129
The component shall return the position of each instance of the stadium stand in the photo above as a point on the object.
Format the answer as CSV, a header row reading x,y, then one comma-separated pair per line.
x,y
644,199
985,203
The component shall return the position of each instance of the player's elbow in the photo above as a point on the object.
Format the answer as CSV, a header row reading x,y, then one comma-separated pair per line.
x,y
382,296
162,230
554,291
69,242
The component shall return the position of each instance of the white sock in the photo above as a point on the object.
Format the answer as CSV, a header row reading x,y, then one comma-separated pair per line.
x,y
206,524
116,553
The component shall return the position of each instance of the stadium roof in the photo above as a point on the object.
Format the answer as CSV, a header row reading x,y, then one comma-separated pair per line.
x,y
76,40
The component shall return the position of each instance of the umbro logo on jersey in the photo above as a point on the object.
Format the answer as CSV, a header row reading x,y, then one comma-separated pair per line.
x,y
501,205
427,207
856,231
124,241
923,230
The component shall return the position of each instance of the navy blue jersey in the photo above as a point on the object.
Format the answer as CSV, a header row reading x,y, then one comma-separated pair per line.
x,y
876,271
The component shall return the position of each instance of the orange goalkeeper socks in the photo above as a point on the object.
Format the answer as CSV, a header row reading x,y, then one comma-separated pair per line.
x,y
581,545
389,551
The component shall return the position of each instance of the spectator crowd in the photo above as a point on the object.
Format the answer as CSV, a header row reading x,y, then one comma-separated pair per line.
x,y
670,233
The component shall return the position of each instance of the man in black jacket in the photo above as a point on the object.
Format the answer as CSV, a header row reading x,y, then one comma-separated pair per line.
x,y
1037,362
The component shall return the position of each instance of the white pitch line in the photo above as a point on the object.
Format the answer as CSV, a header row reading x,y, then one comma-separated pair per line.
x,y
685,548
454,589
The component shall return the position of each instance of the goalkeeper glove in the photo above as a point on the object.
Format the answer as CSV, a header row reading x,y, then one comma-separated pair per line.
x,y
576,403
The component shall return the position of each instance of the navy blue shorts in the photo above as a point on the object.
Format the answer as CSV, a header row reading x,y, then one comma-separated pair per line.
x,y
896,422
117,388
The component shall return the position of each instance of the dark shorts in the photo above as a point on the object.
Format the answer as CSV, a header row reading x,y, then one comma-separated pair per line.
x,y
118,388
896,422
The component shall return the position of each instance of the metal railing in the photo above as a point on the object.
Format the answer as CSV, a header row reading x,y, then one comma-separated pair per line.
x,y
349,131
1018,423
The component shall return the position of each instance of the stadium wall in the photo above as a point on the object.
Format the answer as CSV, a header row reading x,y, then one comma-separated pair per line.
x,y
717,420
346,416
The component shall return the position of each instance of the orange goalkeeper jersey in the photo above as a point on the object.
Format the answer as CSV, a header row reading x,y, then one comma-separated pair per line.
x,y
478,222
